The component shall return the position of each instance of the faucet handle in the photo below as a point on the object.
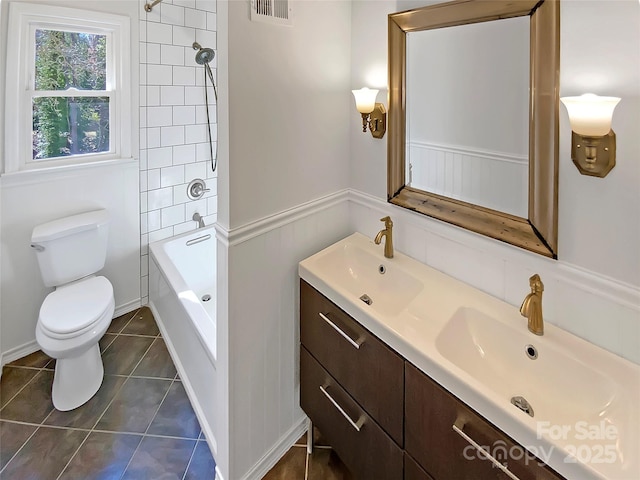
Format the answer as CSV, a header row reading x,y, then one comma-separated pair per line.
x,y
536,284
387,221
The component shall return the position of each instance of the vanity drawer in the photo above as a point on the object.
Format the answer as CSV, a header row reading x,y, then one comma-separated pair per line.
x,y
364,366
368,453
413,471
431,412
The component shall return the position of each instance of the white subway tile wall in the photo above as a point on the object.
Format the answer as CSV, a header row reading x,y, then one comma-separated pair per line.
x,y
174,145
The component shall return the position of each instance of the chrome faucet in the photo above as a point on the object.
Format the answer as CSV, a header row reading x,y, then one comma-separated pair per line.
x,y
198,218
532,306
388,233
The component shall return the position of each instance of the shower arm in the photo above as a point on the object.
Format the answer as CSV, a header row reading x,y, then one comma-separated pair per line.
x,y
149,6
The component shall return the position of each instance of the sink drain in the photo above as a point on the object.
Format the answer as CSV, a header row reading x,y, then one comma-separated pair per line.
x,y
523,405
206,298
366,299
531,351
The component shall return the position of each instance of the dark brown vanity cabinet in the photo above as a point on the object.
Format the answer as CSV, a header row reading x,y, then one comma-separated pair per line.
x,y
430,438
352,388
386,419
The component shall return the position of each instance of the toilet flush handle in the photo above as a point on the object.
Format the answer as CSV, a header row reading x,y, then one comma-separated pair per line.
x,y
37,248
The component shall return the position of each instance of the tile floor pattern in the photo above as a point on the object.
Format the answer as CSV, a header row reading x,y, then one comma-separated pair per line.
x,y
322,464
140,424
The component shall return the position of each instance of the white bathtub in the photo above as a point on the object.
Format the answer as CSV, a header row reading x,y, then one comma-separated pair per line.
x,y
182,270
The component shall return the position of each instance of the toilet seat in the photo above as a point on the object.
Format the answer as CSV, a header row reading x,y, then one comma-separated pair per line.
x,y
73,310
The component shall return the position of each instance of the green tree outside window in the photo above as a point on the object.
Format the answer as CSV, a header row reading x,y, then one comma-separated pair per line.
x,y
63,123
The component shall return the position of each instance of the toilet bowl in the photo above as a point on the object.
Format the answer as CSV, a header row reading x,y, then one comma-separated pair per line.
x,y
75,316
72,321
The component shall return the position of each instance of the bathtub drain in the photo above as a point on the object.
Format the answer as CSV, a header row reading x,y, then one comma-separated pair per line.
x,y
206,298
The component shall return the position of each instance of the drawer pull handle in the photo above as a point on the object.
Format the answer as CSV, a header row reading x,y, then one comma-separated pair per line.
x,y
337,329
356,425
458,430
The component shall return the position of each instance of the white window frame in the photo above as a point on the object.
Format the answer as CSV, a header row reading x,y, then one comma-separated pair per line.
x,y
24,19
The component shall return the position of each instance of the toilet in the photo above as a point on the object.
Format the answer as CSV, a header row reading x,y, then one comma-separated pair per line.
x,y
75,316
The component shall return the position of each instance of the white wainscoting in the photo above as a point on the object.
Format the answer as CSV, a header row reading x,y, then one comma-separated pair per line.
x,y
492,179
261,331
258,319
35,197
599,309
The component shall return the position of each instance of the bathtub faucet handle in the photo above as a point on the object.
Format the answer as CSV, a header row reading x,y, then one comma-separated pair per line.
x,y
197,188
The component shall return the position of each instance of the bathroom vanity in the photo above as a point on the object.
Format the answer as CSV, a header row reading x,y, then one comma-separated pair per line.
x,y
408,373
384,417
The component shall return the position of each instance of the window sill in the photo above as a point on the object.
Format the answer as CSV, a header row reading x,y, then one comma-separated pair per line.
x,y
46,174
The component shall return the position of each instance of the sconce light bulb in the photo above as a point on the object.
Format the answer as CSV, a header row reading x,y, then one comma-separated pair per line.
x,y
589,114
365,99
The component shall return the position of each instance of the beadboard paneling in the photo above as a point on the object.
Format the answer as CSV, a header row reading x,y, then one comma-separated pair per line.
x,y
263,326
601,310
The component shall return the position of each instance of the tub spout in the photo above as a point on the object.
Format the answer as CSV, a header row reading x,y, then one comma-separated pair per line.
x,y
198,218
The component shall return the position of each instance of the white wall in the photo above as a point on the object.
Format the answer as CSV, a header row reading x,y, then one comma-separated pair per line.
x,y
290,108
27,203
2,76
287,106
593,289
174,147
28,199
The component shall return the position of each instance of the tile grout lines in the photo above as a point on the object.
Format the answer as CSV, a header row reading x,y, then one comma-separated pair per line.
x,y
18,451
106,408
40,370
93,429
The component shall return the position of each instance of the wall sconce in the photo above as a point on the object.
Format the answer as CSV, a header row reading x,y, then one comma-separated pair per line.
x,y
593,143
373,114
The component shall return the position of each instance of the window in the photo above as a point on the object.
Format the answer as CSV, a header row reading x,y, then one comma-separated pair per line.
x,y
70,95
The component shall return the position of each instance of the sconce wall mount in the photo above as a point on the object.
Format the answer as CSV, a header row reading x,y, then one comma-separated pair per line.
x,y
376,121
374,115
593,143
594,156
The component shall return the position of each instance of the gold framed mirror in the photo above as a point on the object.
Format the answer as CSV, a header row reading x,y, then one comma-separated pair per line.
x,y
539,231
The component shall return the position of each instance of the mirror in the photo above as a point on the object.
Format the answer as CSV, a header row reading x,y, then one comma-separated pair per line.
x,y
473,125
469,140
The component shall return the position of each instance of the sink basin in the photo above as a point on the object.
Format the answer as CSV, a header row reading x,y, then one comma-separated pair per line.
x,y
510,361
359,273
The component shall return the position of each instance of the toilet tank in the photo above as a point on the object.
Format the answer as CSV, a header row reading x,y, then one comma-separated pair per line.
x,y
71,247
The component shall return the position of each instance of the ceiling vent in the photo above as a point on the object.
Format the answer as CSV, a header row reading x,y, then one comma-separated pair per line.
x,y
277,12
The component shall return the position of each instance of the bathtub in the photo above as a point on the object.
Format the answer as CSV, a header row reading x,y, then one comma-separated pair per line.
x,y
182,297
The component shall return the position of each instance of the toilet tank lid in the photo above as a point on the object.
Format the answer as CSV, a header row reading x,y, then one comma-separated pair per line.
x,y
69,225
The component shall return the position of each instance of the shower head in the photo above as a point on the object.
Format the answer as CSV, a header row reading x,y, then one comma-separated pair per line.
x,y
203,55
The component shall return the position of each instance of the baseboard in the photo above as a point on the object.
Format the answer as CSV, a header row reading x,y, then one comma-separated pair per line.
x,y
19,352
197,408
127,307
269,460
218,474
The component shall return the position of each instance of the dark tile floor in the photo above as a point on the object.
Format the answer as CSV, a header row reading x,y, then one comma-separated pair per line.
x,y
322,464
140,424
